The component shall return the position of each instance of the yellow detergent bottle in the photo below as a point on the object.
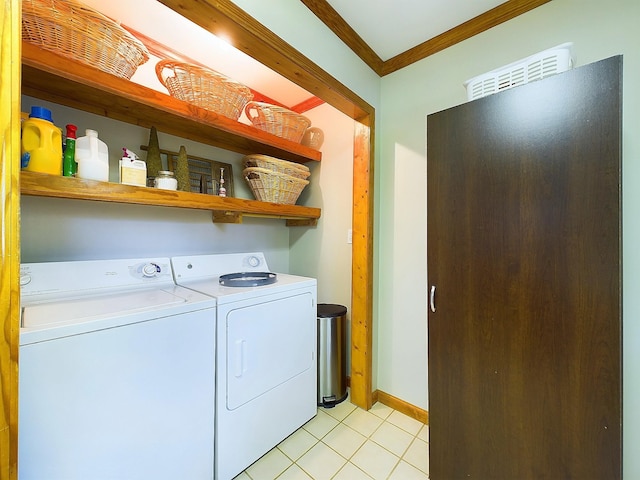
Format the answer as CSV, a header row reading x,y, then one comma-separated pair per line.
x,y
41,143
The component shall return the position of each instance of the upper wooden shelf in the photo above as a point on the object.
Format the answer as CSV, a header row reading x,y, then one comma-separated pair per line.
x,y
225,209
54,78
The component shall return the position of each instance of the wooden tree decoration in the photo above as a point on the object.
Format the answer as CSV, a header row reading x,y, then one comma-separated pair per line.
x,y
182,170
154,161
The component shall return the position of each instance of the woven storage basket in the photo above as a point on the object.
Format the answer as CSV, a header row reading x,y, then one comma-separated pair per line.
x,y
275,187
203,87
276,165
313,137
81,33
277,120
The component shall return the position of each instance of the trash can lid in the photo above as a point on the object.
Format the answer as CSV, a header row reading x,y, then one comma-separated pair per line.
x,y
331,310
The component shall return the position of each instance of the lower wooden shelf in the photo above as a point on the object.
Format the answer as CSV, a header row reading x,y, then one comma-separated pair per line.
x,y
225,209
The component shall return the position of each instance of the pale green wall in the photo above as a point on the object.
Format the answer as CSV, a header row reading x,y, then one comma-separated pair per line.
x,y
332,191
403,100
295,24
598,30
58,229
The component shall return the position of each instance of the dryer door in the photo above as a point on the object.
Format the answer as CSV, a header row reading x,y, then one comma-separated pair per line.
x,y
267,344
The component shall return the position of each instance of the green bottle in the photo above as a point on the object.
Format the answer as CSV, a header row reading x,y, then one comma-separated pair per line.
x,y
69,165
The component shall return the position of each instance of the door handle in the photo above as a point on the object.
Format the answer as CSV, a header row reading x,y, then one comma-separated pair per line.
x,y
432,299
240,358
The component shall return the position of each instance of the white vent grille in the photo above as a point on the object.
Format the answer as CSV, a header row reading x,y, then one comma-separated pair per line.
x,y
536,67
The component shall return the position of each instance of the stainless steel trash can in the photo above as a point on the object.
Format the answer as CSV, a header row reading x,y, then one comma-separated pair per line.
x,y
332,354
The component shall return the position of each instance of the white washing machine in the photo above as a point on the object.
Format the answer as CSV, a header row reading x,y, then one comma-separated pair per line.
x,y
115,373
266,352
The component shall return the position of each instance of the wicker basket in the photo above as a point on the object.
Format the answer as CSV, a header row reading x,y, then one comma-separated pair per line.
x,y
203,87
313,137
275,187
277,120
79,32
276,165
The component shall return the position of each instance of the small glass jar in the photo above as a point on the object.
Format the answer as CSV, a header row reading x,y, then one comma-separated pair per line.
x,y
165,181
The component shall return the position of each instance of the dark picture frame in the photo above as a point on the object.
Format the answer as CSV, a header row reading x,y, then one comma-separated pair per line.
x,y
204,173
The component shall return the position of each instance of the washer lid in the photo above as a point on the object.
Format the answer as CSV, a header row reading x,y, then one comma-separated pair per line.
x,y
76,310
248,279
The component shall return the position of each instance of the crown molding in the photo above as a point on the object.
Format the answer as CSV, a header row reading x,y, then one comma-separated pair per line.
x,y
332,19
500,14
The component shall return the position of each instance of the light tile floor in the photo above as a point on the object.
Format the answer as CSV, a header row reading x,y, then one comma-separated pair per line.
x,y
348,443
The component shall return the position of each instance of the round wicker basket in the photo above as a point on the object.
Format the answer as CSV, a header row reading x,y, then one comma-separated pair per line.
x,y
203,87
277,120
275,187
81,33
313,137
276,165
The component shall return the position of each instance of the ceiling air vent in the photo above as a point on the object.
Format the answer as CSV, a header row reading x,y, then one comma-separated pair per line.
x,y
536,67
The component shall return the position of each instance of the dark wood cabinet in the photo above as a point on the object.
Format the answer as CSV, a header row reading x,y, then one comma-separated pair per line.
x,y
524,235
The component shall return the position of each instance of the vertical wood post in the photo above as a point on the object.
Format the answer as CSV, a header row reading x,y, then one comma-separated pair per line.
x,y
10,19
362,269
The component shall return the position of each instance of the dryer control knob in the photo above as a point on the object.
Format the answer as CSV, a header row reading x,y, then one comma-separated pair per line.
x,y
253,261
25,280
150,270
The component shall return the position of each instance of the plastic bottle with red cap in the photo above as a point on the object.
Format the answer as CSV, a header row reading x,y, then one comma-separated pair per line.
x,y
69,165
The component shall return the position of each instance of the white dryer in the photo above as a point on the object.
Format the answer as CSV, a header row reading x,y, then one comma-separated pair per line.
x,y
115,372
266,352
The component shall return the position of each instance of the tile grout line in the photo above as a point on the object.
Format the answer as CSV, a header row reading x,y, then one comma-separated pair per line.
x,y
370,438
385,419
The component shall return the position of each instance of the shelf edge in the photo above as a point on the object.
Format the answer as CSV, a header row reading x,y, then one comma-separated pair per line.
x,y
53,186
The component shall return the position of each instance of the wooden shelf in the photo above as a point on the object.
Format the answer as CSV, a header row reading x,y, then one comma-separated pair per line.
x,y
51,77
54,78
225,210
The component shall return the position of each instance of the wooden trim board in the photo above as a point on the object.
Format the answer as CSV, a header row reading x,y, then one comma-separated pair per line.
x,y
479,24
401,406
9,222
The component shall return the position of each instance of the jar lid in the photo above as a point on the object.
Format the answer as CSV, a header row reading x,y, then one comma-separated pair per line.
x,y
41,112
165,173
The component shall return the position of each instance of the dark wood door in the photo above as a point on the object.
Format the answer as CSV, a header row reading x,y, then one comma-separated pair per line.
x,y
524,212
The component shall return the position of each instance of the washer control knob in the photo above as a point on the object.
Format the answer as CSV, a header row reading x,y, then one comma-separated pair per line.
x,y
253,261
25,280
150,270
